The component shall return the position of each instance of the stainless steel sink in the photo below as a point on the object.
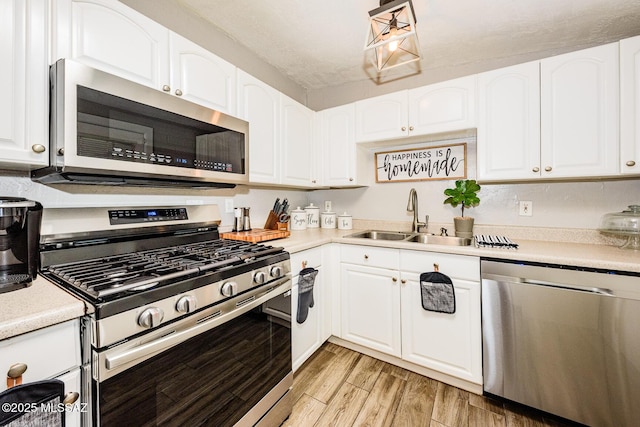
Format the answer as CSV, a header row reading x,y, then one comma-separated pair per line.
x,y
422,238
433,239
381,235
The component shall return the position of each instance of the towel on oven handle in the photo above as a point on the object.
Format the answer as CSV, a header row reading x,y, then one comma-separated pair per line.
x,y
306,280
437,292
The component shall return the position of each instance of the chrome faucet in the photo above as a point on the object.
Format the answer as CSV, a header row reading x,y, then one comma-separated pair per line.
x,y
412,206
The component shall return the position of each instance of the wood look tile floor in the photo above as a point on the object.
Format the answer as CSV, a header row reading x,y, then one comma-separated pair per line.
x,y
343,388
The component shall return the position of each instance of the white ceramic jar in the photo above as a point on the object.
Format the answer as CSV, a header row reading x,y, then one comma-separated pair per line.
x,y
313,216
345,222
298,219
328,220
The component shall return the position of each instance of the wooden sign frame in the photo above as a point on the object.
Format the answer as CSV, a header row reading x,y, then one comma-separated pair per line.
x,y
422,164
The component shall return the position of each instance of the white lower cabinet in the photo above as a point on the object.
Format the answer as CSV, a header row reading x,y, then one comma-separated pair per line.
x,y
308,336
382,309
49,353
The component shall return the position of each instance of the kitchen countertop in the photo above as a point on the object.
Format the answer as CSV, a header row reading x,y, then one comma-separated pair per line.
x,y
44,304
574,254
40,305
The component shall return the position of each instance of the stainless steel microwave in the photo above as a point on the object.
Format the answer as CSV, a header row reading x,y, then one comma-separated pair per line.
x,y
108,130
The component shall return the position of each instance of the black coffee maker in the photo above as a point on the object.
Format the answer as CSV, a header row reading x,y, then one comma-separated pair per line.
x,y
20,221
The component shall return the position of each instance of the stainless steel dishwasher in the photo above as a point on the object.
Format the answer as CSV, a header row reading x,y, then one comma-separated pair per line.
x,y
563,340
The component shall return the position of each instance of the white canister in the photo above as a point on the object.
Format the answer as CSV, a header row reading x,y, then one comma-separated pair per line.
x,y
345,222
313,216
328,220
298,219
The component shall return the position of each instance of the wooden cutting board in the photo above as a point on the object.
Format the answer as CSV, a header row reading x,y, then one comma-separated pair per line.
x,y
256,235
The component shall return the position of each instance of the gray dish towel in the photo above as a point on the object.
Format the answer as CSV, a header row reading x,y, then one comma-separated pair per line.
x,y
306,280
437,292
34,404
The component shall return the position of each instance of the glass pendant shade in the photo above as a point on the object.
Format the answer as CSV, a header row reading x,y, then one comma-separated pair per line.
x,y
392,35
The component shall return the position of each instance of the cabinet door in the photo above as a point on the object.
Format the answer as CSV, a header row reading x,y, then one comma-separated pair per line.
x,y
259,104
580,113
443,107
114,38
24,84
371,307
200,76
508,140
72,384
630,105
306,337
338,144
382,117
448,343
298,156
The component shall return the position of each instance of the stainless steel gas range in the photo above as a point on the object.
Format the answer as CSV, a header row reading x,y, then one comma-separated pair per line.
x,y
177,333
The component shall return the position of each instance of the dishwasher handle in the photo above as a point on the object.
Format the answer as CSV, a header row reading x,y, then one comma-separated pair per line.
x,y
526,281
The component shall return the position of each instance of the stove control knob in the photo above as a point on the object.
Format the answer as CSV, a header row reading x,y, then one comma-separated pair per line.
x,y
260,278
186,304
151,317
229,289
275,272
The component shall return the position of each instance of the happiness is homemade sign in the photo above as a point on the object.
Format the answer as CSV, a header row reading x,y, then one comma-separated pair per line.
x,y
421,164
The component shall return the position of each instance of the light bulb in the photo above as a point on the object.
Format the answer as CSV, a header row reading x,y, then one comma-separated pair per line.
x,y
393,45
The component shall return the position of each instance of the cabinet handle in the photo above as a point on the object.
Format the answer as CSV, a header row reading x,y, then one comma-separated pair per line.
x,y
548,169
17,370
71,398
38,148
410,128
178,92
366,256
631,163
313,181
395,279
403,128
536,169
166,88
403,281
351,179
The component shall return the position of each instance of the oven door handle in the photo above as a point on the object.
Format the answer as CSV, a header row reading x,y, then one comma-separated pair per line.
x,y
147,350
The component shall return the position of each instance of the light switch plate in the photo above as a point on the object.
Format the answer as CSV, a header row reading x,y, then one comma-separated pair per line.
x,y
228,205
526,208
327,205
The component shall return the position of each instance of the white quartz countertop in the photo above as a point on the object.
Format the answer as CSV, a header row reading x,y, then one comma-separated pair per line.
x,y
40,305
573,254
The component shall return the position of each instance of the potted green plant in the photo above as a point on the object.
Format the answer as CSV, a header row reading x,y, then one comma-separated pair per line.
x,y
465,193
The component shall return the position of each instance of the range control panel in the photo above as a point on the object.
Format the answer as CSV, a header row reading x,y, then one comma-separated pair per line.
x,y
133,216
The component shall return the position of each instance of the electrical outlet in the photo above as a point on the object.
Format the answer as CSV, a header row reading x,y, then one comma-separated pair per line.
x,y
526,208
228,205
327,205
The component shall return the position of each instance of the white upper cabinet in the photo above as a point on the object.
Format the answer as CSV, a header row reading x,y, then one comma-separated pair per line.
x,y
200,76
436,108
508,136
143,51
630,106
580,113
343,160
382,117
259,104
299,160
24,83
443,107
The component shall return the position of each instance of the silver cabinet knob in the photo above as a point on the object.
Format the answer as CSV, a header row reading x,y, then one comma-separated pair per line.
x,y
548,169
403,281
38,148
60,151
71,398
275,272
536,169
178,92
186,304
16,370
260,278
151,317
403,128
366,256
350,179
631,163
394,279
166,88
229,289
410,128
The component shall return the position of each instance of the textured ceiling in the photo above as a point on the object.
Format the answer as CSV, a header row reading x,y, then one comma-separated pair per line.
x,y
319,43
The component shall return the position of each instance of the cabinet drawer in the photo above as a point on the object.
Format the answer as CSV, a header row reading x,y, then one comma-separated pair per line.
x,y
371,256
47,352
458,266
310,257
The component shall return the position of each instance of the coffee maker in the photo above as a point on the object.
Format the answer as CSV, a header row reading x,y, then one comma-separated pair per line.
x,y
20,221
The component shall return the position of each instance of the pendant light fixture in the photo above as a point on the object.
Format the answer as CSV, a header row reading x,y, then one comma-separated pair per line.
x,y
392,34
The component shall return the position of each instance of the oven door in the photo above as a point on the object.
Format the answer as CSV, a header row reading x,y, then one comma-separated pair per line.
x,y
228,364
